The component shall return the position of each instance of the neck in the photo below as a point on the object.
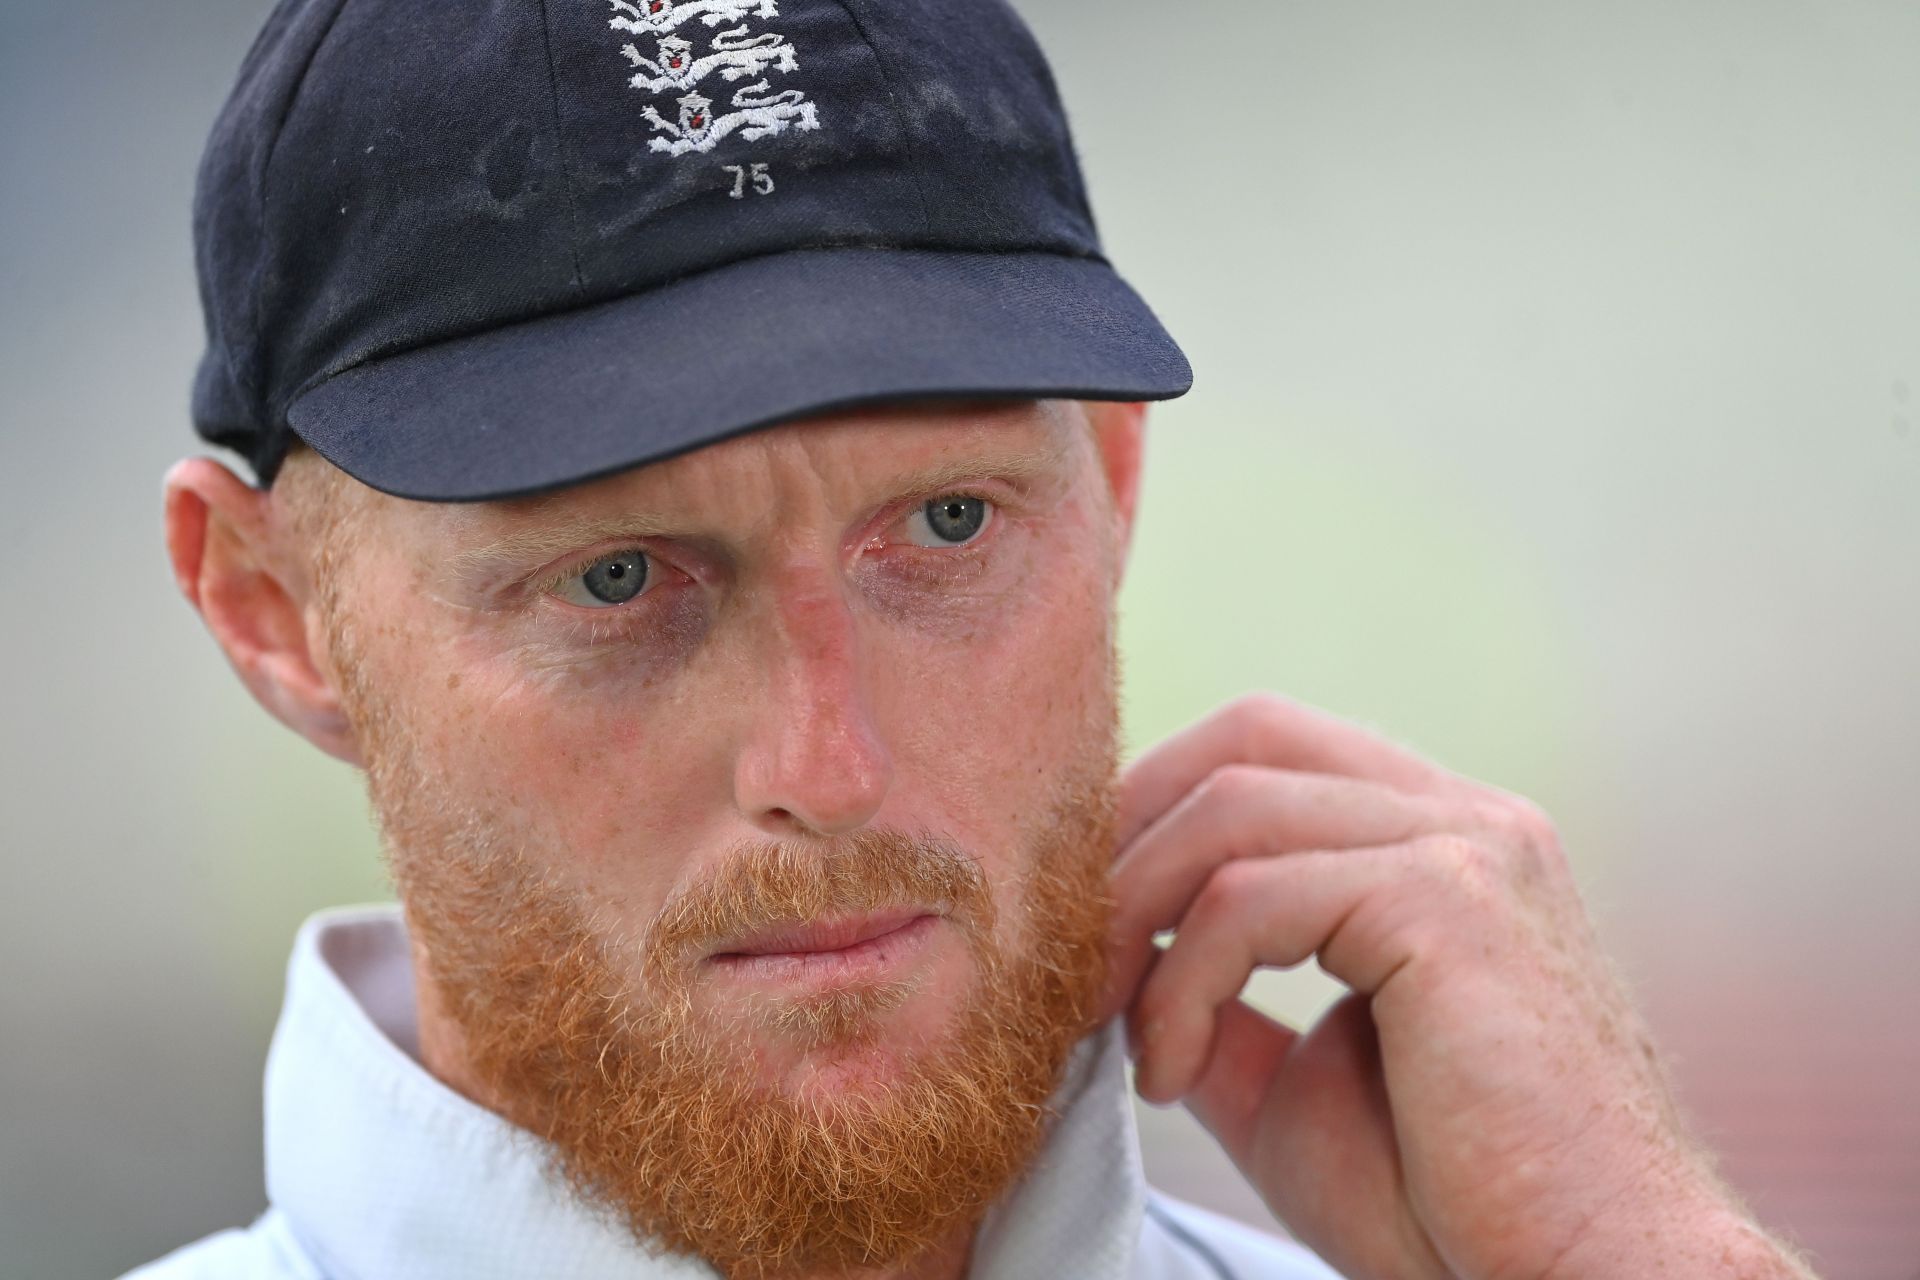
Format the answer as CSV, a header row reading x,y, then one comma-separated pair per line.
x,y
442,1046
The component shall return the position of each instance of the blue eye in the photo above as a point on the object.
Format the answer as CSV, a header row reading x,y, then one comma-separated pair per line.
x,y
611,580
949,521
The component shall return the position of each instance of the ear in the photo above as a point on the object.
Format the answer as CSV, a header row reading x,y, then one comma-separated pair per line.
x,y
233,565
1119,434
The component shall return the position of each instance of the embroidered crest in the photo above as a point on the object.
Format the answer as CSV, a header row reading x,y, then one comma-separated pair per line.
x,y
642,16
698,129
735,54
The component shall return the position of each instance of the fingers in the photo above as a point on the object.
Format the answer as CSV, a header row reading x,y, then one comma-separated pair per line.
x,y
1275,731
1228,1096
1276,911
1316,1134
1244,811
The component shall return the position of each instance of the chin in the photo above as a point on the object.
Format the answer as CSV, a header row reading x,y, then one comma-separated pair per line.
x,y
853,1039
823,1078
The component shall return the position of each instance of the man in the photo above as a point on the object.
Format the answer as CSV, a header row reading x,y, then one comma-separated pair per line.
x,y
699,508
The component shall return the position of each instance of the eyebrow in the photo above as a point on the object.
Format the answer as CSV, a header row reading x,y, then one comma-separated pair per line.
x,y
1014,464
544,542
547,541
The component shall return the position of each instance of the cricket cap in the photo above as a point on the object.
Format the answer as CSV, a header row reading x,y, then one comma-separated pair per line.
x,y
483,250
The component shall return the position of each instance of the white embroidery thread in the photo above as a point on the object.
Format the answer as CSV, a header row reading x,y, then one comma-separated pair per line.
x,y
660,16
756,174
698,129
735,55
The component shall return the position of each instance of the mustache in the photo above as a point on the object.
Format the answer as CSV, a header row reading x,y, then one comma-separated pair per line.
x,y
766,884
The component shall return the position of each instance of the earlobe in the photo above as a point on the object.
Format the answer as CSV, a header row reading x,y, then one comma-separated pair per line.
x,y
230,565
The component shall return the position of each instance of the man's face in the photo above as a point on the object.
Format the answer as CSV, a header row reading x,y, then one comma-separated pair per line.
x,y
752,812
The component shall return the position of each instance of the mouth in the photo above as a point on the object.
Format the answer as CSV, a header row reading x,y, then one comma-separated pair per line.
x,y
814,937
845,948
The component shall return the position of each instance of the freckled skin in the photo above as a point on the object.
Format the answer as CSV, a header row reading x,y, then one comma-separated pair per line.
x,y
1483,1103
807,674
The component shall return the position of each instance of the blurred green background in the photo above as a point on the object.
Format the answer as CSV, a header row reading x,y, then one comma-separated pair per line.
x,y
1558,413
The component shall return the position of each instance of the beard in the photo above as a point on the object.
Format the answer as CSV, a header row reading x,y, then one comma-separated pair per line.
x,y
659,1109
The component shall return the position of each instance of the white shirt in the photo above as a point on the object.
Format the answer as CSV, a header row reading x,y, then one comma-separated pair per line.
x,y
378,1171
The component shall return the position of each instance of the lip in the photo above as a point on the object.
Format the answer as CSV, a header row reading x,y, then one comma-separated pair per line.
x,y
815,937
829,952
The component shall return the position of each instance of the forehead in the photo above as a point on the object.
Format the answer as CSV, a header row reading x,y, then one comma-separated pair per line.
x,y
845,458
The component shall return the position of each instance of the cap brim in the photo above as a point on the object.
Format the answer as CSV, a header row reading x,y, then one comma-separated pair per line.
x,y
585,393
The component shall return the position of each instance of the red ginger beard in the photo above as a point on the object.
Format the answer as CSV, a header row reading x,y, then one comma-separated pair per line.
x,y
655,1112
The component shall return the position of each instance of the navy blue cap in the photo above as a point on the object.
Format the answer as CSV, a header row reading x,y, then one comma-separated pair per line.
x,y
481,250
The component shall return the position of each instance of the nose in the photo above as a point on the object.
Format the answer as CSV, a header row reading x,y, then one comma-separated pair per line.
x,y
812,760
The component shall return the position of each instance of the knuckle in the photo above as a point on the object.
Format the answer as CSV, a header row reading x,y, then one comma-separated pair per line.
x,y
1254,713
1229,781
1524,826
1546,840
1465,866
1227,889
1534,823
1501,819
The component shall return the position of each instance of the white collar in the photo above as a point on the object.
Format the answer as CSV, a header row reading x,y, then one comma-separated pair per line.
x,y
381,1170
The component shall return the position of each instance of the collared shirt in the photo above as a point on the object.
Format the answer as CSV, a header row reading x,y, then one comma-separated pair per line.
x,y
378,1171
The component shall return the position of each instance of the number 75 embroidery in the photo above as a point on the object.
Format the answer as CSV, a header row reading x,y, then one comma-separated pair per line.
x,y
743,174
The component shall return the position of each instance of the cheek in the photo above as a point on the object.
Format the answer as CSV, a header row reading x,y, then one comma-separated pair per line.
x,y
985,723
594,784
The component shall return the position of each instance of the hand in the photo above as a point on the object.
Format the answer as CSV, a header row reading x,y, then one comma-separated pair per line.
x,y
1485,1103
